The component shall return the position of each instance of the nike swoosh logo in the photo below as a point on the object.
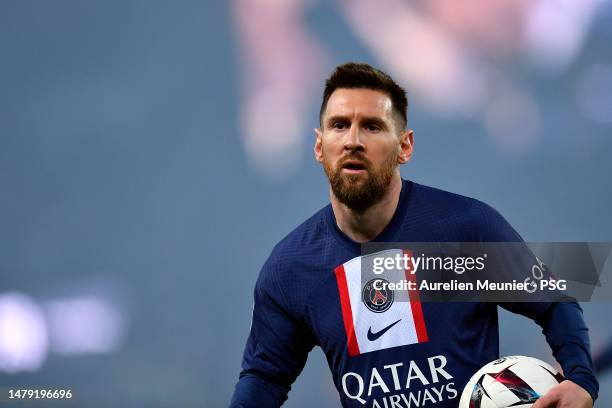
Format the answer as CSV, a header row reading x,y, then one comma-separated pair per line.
x,y
374,336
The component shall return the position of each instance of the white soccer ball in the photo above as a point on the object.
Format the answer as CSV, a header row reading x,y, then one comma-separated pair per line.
x,y
514,381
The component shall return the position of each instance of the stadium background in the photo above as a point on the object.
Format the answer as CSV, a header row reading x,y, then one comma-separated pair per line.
x,y
153,152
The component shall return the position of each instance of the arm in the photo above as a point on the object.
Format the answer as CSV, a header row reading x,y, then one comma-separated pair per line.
x,y
562,324
568,338
567,335
276,349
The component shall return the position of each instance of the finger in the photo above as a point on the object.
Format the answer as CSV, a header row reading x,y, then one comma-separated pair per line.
x,y
546,401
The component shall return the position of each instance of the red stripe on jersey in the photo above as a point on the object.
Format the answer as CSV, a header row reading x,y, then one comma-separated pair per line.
x,y
415,303
347,313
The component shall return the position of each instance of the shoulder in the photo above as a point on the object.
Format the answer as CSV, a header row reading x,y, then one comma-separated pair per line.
x,y
442,199
483,222
302,241
290,266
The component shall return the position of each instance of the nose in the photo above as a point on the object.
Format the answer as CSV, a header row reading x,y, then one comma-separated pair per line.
x,y
353,140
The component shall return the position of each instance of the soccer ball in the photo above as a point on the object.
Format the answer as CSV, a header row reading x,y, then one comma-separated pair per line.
x,y
514,381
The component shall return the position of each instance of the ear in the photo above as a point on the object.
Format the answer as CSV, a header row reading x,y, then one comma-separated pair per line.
x,y
405,146
318,149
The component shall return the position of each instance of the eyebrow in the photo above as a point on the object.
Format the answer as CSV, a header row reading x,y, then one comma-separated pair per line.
x,y
372,119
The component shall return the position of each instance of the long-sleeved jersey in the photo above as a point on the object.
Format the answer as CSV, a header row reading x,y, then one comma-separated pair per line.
x,y
411,355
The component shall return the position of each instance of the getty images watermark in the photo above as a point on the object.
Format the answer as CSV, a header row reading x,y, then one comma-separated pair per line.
x,y
489,272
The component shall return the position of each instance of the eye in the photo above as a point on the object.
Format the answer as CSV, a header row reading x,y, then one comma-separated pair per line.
x,y
372,127
339,125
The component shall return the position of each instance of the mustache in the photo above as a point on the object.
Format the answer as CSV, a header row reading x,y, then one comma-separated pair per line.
x,y
354,156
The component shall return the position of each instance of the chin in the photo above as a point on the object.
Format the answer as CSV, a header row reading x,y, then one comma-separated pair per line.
x,y
360,177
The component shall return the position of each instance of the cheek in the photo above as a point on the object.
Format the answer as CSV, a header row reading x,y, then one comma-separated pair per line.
x,y
329,149
383,152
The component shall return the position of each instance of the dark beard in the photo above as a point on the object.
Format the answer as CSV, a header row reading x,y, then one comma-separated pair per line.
x,y
361,196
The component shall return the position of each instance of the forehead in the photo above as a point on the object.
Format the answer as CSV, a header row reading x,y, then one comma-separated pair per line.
x,y
359,102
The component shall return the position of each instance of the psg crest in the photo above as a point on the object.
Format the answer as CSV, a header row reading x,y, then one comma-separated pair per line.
x,y
377,300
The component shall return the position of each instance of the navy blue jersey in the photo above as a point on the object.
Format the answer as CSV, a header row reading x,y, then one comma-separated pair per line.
x,y
299,304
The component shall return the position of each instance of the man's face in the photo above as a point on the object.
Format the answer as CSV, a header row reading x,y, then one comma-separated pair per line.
x,y
361,146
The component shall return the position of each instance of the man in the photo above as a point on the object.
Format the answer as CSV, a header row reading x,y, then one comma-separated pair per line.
x,y
301,293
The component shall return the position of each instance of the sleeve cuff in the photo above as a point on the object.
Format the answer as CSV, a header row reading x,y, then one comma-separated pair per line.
x,y
586,381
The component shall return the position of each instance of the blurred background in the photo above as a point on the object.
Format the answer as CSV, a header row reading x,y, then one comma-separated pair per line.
x,y
153,152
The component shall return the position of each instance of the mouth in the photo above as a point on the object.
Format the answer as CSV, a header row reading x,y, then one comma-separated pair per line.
x,y
354,166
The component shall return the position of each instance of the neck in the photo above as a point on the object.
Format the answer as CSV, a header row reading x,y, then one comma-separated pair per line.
x,y
365,225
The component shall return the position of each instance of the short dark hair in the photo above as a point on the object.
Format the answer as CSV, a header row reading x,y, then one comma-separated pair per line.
x,y
353,75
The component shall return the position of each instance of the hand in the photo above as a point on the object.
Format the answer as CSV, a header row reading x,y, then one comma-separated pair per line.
x,y
565,395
